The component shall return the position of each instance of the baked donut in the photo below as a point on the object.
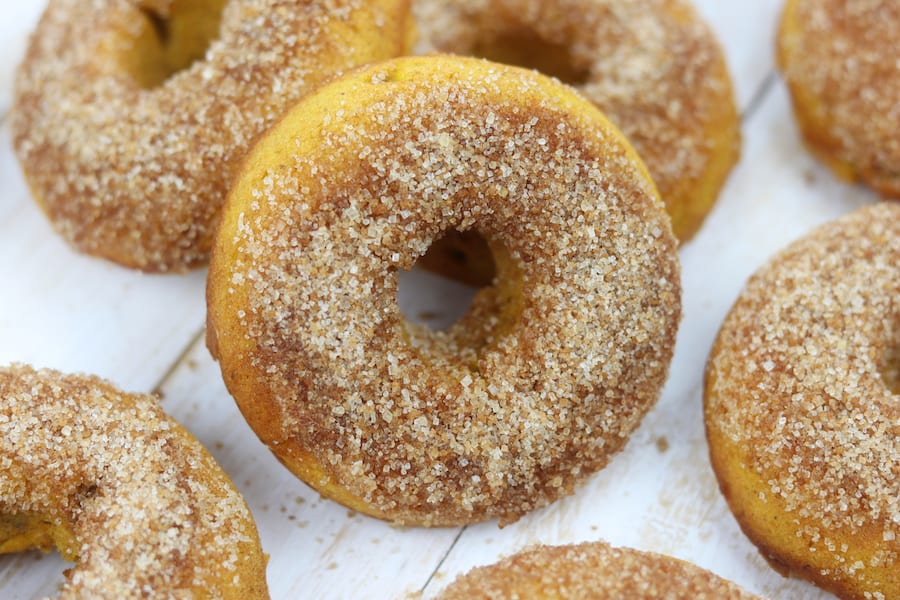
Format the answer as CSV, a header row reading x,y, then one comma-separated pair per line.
x,y
129,128
545,376
802,406
653,66
116,485
840,60
591,571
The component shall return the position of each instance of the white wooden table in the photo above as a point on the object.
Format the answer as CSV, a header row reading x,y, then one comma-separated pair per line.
x,y
63,310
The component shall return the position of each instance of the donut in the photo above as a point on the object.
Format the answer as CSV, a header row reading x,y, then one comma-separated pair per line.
x,y
130,117
802,407
589,571
119,487
839,59
552,367
652,66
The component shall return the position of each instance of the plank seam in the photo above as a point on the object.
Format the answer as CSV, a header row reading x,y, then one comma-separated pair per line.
x,y
170,372
443,559
759,96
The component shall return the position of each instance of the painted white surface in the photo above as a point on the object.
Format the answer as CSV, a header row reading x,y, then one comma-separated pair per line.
x,y
71,312
17,19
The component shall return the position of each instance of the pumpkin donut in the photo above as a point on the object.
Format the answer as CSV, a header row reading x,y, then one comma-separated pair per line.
x,y
803,411
129,128
591,571
840,60
652,66
551,369
122,489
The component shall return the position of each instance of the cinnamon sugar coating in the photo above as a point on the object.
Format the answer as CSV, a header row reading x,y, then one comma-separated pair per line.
x,y
841,61
802,409
553,366
652,66
131,162
591,571
121,488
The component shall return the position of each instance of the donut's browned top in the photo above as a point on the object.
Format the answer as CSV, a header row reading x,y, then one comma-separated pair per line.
x,y
138,175
803,382
148,507
532,391
591,571
652,66
842,60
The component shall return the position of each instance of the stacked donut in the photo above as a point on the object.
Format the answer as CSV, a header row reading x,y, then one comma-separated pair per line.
x,y
147,113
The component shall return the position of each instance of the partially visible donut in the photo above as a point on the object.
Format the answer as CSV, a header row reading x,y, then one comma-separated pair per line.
x,y
129,129
119,487
591,571
841,61
549,372
803,411
652,66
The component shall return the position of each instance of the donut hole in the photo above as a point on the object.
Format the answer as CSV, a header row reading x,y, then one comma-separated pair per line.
x,y
439,290
525,48
464,256
171,41
448,320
